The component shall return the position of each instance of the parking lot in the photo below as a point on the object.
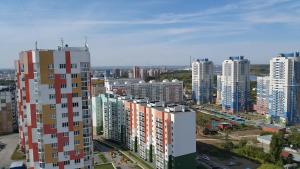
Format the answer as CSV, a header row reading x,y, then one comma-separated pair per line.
x,y
8,145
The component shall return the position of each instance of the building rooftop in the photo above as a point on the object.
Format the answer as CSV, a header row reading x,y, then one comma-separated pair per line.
x,y
236,58
286,55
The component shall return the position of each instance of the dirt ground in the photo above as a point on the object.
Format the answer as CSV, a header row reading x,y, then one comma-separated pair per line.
x,y
222,158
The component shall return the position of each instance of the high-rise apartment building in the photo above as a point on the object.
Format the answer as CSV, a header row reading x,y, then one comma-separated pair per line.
x,y
8,110
97,89
262,95
202,81
54,105
235,84
284,107
136,72
162,135
219,89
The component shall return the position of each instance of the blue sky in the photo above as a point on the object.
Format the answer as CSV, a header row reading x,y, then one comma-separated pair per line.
x,y
157,32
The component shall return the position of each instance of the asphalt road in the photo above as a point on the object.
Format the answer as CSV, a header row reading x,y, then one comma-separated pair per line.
x,y
10,142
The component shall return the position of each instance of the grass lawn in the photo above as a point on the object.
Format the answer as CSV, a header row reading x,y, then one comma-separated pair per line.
x,y
17,155
102,157
139,160
104,166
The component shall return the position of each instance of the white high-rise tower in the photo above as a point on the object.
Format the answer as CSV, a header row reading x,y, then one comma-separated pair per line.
x,y
202,81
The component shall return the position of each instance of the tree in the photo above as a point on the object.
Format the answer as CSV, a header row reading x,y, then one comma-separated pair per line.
x,y
294,138
276,146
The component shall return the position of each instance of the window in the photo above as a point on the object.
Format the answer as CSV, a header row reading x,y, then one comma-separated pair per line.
x,y
75,104
74,85
63,115
66,162
62,66
76,123
64,105
74,76
54,155
50,76
76,133
63,96
51,96
77,142
55,164
53,126
66,143
74,94
63,76
74,65
66,134
63,85
51,86
76,113
65,124
77,160
50,66
54,145
52,106
53,135
53,116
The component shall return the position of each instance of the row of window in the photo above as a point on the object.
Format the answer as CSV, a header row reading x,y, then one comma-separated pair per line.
x,y
63,95
64,124
63,66
64,105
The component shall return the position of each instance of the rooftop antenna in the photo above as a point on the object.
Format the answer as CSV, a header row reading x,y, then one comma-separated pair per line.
x,y
35,44
85,42
62,42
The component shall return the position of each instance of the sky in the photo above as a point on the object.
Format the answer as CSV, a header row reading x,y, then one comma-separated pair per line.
x,y
152,32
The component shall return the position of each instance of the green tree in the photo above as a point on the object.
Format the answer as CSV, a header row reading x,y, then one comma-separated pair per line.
x,y
294,138
276,146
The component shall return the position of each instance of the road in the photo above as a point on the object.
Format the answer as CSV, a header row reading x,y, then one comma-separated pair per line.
x,y
11,142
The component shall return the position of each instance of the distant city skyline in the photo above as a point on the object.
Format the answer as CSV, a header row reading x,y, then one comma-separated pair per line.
x,y
152,32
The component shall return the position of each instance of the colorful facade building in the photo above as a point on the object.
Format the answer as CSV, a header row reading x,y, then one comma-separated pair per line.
x,y
235,84
202,81
284,95
54,106
162,135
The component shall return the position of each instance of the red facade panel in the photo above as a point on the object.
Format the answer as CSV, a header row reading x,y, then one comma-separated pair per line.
x,y
35,152
163,130
70,112
68,61
57,86
49,130
30,65
33,115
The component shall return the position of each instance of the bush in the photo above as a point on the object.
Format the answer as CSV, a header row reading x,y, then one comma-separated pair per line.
x,y
269,166
254,153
